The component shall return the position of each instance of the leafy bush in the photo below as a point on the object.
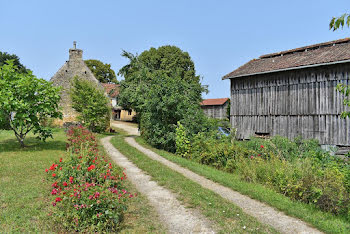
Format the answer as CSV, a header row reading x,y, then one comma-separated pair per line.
x,y
92,105
88,192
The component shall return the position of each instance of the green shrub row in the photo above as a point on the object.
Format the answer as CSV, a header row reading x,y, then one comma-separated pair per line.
x,y
298,169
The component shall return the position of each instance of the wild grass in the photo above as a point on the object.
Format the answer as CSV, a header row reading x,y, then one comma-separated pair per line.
x,y
324,221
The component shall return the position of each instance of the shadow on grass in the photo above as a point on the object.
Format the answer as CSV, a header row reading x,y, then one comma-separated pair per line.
x,y
31,144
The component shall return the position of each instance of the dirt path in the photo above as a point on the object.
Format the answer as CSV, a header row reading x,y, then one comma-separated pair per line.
x,y
264,213
175,216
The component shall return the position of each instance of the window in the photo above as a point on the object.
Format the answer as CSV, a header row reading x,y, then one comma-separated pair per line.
x,y
130,111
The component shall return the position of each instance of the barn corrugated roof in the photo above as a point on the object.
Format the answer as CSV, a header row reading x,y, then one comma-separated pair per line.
x,y
214,102
112,90
312,55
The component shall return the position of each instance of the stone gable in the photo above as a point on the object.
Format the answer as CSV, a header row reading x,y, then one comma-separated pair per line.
x,y
75,66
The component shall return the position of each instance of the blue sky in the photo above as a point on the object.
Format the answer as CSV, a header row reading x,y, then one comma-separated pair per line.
x,y
219,35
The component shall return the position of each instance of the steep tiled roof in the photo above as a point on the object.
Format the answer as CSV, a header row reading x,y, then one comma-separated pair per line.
x,y
313,55
214,102
111,89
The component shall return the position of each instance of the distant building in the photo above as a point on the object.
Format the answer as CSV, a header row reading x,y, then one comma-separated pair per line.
x,y
215,108
293,93
118,113
75,66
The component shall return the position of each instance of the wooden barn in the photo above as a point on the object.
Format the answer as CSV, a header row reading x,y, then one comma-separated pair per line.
x,y
293,93
216,107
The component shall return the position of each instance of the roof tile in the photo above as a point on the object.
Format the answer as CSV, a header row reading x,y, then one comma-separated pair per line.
x,y
327,52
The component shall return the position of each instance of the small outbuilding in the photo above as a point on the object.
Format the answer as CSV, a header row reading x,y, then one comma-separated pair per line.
x,y
293,93
215,108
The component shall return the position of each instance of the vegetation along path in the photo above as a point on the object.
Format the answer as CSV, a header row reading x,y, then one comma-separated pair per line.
x,y
261,211
177,218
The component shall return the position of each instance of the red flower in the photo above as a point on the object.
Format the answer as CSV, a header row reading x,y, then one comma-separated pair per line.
x,y
53,203
53,175
259,155
91,167
54,185
46,170
60,168
262,146
58,199
54,191
71,180
65,183
60,159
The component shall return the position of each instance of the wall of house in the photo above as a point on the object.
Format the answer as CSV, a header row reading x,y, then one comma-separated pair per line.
x,y
292,103
126,115
217,111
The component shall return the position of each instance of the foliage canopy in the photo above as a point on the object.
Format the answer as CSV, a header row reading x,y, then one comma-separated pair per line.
x,y
92,105
102,71
26,102
161,85
4,56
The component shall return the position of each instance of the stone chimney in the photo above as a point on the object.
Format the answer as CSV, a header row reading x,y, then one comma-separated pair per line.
x,y
75,54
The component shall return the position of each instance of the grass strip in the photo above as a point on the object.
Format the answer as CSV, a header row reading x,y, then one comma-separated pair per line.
x,y
140,217
324,221
225,216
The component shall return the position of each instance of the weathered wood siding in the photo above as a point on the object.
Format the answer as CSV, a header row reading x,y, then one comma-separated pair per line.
x,y
295,103
216,111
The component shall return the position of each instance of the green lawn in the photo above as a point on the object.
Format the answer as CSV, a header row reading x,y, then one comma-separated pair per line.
x,y
324,221
226,217
25,194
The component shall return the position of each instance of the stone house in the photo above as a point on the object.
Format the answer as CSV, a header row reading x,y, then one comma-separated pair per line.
x,y
293,93
118,113
75,66
215,108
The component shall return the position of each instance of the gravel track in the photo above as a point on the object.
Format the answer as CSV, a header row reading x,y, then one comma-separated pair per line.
x,y
264,213
172,213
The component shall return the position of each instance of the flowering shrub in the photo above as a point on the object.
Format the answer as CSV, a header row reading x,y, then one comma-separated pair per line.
x,y
88,193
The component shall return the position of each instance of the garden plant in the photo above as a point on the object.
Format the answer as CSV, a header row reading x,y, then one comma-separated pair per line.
x,y
88,193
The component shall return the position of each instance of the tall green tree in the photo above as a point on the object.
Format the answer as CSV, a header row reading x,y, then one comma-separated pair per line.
x,y
26,101
102,71
91,104
161,85
4,56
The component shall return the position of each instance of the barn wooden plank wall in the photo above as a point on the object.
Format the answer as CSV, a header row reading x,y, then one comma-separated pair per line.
x,y
292,103
216,111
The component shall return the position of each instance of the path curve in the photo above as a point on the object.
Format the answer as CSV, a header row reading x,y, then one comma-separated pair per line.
x,y
264,213
175,216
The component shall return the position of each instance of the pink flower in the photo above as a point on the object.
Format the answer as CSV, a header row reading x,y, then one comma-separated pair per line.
x,y
54,191
53,203
252,157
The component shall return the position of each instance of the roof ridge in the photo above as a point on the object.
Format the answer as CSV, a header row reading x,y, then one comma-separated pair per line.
x,y
306,48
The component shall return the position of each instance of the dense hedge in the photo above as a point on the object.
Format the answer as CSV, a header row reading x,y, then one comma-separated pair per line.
x,y
299,169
